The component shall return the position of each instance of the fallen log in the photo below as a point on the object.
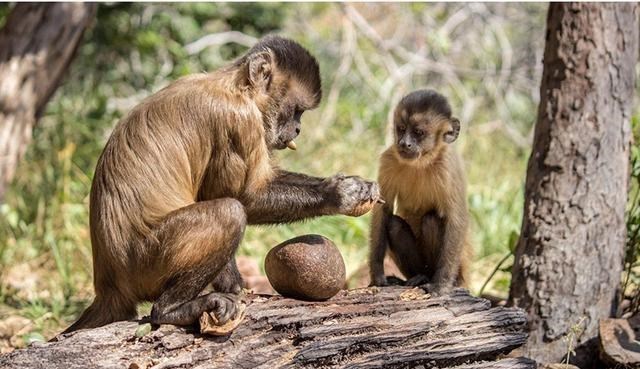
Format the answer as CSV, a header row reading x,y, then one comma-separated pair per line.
x,y
363,328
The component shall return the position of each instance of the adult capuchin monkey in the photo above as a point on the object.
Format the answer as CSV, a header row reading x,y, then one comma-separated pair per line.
x,y
187,169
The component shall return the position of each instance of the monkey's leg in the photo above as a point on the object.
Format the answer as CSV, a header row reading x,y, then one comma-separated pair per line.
x,y
197,242
430,241
378,244
432,232
405,249
449,238
463,275
229,279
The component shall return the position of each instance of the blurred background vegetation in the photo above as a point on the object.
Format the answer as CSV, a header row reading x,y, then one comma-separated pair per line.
x,y
485,57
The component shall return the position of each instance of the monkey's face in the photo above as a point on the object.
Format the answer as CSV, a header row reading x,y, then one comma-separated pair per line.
x,y
285,80
417,134
288,126
295,100
423,125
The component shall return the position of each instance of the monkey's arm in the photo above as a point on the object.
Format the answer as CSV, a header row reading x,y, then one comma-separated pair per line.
x,y
290,197
379,242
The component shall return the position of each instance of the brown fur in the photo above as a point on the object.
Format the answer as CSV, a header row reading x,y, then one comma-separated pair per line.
x,y
148,171
184,172
428,193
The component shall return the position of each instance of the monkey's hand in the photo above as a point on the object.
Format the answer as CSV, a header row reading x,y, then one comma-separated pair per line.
x,y
354,195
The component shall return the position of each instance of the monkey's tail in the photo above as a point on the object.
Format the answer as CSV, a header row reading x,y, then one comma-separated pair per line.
x,y
104,311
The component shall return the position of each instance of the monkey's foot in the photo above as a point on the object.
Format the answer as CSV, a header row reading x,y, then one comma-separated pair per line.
x,y
395,281
383,281
417,280
436,289
211,323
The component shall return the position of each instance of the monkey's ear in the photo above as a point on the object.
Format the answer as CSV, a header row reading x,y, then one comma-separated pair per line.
x,y
260,70
452,135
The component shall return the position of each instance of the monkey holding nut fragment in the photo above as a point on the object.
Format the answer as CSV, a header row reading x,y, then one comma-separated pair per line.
x,y
422,177
184,173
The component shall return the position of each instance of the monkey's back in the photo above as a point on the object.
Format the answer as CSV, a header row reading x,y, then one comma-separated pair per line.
x,y
156,161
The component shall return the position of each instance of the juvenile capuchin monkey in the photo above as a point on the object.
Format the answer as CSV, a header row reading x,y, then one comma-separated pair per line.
x,y
422,177
187,169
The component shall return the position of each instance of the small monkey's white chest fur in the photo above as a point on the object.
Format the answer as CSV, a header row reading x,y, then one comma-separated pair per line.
x,y
418,192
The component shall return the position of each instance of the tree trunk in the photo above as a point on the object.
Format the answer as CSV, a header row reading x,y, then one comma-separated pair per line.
x,y
392,327
37,44
570,253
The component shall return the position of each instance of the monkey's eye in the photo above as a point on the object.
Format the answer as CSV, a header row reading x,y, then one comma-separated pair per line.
x,y
401,129
418,133
297,114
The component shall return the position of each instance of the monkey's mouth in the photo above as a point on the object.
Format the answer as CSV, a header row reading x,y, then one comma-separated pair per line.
x,y
409,155
286,141
284,144
286,135
292,145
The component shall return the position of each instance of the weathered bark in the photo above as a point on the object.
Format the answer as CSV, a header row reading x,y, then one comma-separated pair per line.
x,y
37,44
569,256
365,328
619,347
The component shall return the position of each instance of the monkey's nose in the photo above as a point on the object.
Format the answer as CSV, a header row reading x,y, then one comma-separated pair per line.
x,y
297,131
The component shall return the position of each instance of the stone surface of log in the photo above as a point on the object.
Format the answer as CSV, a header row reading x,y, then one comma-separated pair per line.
x,y
364,328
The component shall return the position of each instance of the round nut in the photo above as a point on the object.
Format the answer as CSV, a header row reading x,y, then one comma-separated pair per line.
x,y
308,267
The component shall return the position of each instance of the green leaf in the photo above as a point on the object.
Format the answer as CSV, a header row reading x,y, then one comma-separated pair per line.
x,y
148,40
513,241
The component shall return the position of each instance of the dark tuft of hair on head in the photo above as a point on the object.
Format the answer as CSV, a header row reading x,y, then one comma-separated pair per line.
x,y
292,58
426,100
